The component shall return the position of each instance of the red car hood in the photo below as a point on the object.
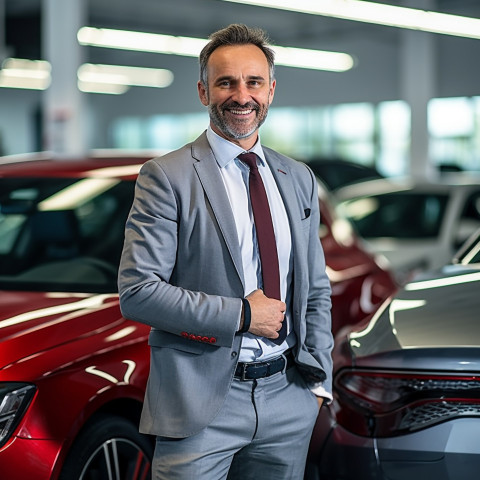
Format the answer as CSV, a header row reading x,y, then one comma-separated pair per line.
x,y
32,322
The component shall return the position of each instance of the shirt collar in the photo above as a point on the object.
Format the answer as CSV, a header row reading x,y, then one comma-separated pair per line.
x,y
226,151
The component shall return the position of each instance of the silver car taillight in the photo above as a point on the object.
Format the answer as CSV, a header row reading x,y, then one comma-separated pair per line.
x,y
387,403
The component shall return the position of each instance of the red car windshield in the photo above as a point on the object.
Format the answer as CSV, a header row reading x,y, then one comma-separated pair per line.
x,y
62,233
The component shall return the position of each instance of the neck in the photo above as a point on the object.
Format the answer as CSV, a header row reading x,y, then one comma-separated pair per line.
x,y
245,143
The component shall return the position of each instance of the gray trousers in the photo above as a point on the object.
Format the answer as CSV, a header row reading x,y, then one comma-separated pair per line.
x,y
262,432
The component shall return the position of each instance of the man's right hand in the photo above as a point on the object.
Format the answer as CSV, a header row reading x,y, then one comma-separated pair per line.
x,y
267,314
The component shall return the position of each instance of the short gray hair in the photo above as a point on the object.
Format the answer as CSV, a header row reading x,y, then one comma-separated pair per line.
x,y
236,34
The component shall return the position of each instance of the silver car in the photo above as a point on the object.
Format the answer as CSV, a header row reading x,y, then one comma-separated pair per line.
x,y
407,385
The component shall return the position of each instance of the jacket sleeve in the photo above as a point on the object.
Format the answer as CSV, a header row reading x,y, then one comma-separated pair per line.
x,y
148,260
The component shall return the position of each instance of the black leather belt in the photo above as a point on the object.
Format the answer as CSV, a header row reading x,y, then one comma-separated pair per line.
x,y
254,370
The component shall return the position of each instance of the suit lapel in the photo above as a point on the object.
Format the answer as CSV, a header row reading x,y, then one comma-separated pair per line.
x,y
208,172
286,186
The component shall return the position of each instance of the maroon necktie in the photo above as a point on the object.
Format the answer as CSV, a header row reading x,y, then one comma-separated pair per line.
x,y
265,235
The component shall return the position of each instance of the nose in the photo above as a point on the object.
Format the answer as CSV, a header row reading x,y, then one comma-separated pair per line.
x,y
241,94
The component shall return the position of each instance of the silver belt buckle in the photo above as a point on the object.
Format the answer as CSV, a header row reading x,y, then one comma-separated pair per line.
x,y
243,378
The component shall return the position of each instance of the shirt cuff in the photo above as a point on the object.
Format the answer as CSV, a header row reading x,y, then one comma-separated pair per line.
x,y
319,391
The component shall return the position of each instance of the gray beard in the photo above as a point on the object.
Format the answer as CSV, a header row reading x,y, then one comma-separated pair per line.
x,y
227,130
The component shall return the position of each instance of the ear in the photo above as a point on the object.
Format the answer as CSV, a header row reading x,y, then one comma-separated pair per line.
x,y
202,93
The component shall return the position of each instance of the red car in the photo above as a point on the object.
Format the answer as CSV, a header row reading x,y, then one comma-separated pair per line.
x,y
72,370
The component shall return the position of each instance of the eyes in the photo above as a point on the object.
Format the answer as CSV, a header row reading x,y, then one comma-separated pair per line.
x,y
252,83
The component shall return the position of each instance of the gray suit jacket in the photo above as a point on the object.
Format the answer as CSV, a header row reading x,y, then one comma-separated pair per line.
x,y
181,273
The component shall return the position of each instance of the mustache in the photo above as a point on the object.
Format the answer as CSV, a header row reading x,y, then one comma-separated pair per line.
x,y
246,106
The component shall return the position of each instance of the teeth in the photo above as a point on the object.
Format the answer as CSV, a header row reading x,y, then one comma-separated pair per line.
x,y
241,112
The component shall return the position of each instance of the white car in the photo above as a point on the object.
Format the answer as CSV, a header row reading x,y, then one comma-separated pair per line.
x,y
415,225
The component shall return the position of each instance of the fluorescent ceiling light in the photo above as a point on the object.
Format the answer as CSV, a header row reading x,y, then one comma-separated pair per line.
x,y
112,79
117,79
142,77
102,87
370,12
191,47
314,59
28,74
140,41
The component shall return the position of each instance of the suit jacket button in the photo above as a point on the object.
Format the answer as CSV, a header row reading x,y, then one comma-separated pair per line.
x,y
212,340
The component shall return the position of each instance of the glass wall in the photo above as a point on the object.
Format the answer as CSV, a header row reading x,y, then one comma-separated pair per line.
x,y
369,134
454,126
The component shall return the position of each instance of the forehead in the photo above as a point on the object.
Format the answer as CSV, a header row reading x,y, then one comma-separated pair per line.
x,y
238,59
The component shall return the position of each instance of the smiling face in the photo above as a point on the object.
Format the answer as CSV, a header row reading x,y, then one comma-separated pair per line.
x,y
239,92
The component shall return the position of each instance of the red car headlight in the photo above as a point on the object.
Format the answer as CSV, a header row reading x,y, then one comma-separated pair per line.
x,y
14,401
381,404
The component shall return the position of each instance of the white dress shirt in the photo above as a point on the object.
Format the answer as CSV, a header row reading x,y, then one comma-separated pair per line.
x,y
235,177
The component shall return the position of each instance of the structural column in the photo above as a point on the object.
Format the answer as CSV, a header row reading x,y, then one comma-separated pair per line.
x,y
64,104
418,68
3,50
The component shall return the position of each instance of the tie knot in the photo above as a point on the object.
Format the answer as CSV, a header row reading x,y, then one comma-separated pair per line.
x,y
250,159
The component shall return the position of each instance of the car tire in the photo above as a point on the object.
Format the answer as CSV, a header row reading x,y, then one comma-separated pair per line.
x,y
109,447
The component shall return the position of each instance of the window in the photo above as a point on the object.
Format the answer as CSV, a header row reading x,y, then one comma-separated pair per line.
x,y
454,129
393,138
364,133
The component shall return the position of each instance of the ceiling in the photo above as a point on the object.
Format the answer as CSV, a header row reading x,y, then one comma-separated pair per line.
x,y
389,64
198,18
378,51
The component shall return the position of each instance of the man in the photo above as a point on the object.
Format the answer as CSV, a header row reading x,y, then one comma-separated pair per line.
x,y
226,396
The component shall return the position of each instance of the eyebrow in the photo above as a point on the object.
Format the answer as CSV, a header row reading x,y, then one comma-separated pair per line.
x,y
223,77
256,77
230,77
